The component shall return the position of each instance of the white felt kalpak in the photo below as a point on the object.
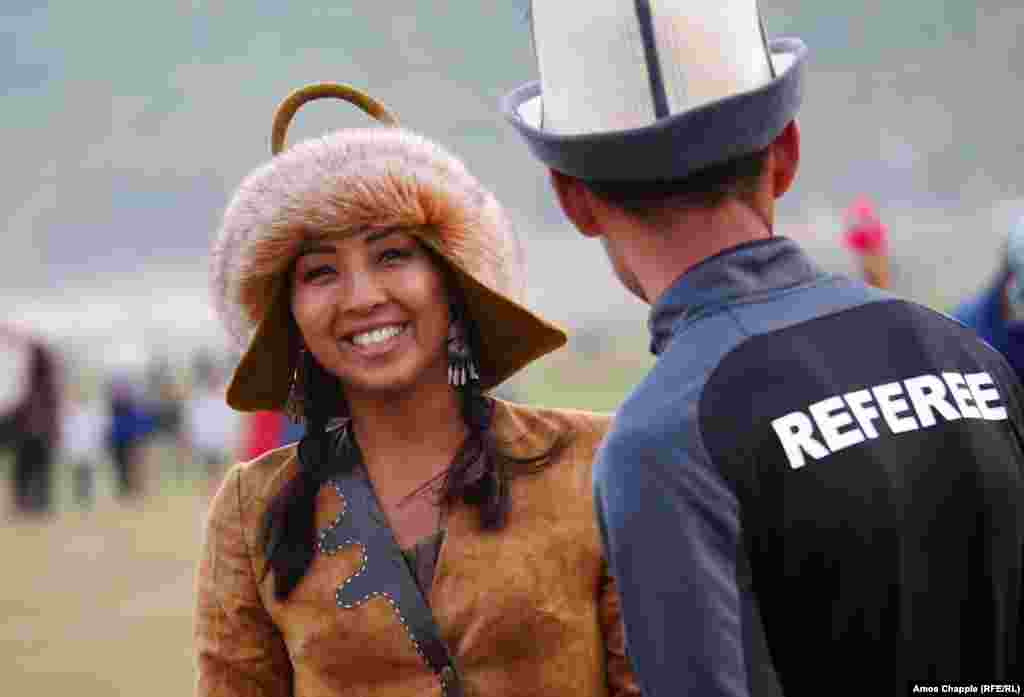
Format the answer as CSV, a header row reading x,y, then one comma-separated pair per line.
x,y
641,76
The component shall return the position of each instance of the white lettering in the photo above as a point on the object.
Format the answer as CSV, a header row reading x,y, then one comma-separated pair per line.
x,y
962,395
892,405
796,432
864,414
976,382
842,421
830,415
928,393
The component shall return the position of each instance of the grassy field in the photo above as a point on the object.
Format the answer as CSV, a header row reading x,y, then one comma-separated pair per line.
x,y
596,380
98,603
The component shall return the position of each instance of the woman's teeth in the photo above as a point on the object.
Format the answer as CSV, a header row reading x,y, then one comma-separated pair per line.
x,y
376,336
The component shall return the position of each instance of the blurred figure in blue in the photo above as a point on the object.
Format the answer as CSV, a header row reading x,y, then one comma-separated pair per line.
x,y
130,425
997,312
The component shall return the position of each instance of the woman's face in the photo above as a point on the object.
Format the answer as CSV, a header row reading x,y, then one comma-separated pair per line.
x,y
373,310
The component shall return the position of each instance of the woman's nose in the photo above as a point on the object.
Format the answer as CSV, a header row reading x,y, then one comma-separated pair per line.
x,y
365,292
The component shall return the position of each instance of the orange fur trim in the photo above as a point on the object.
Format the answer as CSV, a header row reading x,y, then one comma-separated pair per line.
x,y
345,182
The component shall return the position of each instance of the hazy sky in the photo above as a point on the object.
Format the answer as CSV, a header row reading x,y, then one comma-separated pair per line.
x,y
129,124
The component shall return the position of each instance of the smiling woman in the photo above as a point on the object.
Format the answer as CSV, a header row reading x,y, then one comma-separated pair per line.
x,y
423,537
373,309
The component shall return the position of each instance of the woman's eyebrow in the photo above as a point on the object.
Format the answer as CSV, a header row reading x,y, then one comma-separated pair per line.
x,y
315,247
378,235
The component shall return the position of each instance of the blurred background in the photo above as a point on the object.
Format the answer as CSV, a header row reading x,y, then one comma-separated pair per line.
x,y
144,116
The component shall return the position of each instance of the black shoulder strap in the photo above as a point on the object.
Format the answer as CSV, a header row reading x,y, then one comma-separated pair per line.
x,y
385,573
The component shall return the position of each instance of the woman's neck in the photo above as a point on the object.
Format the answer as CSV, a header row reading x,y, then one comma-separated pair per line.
x,y
408,439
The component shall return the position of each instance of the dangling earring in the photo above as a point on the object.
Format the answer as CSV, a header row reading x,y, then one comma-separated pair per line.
x,y
294,407
461,366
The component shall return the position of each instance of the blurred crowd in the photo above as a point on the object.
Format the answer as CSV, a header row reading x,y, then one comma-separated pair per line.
x,y
995,310
54,420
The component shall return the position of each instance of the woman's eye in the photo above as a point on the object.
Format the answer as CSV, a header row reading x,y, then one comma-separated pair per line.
x,y
313,273
394,254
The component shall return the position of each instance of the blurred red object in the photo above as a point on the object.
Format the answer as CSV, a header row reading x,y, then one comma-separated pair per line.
x,y
262,433
863,232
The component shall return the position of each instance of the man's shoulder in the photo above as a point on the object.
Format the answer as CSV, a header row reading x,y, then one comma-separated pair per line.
x,y
650,424
662,400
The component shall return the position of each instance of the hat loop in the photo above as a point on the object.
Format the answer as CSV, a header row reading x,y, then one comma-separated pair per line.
x,y
322,90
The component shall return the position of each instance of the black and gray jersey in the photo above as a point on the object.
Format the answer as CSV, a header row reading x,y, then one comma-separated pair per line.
x,y
818,484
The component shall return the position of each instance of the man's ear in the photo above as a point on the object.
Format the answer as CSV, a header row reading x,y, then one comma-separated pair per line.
x,y
577,202
786,158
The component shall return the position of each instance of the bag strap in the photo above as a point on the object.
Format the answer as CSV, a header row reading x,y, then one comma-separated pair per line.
x,y
384,572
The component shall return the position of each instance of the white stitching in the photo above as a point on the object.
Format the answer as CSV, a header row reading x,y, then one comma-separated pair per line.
x,y
331,550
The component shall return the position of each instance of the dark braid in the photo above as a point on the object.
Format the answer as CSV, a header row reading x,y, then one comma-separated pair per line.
x,y
477,476
480,474
289,524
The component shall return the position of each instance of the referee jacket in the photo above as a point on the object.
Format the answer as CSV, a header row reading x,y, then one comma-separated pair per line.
x,y
818,489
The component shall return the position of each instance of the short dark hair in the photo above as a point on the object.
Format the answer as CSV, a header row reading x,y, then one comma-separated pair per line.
x,y
705,188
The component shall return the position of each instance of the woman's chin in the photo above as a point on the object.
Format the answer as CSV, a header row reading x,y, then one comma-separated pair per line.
x,y
388,384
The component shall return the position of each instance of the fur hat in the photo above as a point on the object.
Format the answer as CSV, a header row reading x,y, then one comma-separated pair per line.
x,y
348,181
642,90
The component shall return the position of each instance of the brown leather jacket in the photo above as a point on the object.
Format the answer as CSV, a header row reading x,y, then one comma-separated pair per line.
x,y
527,611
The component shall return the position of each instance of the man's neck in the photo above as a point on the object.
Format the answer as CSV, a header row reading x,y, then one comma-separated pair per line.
x,y
659,255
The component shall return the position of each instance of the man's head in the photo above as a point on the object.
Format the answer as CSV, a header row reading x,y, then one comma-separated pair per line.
x,y
638,219
649,115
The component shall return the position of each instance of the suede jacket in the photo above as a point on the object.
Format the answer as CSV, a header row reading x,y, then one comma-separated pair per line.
x,y
528,611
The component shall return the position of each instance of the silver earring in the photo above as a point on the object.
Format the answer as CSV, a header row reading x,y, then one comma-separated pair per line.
x,y
293,406
461,366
